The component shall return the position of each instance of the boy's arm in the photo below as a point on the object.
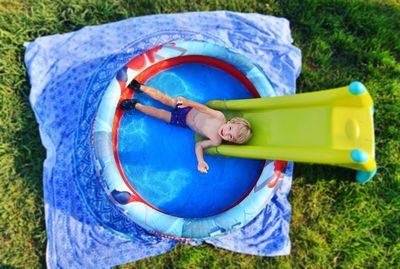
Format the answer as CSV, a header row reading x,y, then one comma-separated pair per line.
x,y
200,146
183,102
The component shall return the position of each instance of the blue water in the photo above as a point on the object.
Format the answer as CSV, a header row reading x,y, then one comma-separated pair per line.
x,y
159,159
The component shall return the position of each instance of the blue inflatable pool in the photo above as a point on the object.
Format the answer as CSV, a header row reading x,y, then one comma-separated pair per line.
x,y
148,168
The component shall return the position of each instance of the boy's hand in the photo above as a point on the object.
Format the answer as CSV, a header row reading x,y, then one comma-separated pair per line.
x,y
202,167
182,102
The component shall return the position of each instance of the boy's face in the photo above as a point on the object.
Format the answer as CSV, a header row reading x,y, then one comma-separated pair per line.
x,y
229,131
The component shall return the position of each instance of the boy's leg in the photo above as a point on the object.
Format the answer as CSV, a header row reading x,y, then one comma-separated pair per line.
x,y
159,96
154,112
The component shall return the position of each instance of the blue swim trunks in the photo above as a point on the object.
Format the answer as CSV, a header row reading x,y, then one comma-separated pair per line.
x,y
178,116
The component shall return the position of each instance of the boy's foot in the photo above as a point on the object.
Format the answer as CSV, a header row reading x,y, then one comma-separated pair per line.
x,y
128,104
135,85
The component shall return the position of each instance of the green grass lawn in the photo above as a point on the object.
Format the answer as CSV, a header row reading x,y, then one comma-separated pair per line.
x,y
335,221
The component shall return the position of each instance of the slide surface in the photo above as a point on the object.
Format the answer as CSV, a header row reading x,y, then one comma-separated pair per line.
x,y
327,127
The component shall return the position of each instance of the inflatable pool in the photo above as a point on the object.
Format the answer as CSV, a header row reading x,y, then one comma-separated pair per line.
x,y
148,167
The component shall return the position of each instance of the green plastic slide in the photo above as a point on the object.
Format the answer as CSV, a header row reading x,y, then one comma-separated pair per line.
x,y
327,127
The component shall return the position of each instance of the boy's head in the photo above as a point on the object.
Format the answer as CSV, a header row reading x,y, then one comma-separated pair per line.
x,y
237,130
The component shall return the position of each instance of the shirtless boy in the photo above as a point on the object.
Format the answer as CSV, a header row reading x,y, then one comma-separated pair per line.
x,y
209,123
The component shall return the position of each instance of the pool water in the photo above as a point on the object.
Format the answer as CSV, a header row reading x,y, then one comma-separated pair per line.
x,y
159,159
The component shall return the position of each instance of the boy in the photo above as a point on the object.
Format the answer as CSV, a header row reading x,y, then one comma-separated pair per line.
x,y
205,121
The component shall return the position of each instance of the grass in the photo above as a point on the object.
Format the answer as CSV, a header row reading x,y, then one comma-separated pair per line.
x,y
336,223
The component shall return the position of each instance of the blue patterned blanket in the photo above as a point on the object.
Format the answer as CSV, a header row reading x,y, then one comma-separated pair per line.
x,y
89,232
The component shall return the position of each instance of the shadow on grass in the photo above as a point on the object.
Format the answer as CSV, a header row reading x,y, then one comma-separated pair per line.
x,y
313,173
5,266
29,158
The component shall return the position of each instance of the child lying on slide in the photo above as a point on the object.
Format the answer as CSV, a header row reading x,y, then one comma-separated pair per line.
x,y
205,121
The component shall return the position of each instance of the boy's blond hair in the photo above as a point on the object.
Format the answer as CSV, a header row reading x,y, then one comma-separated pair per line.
x,y
245,131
